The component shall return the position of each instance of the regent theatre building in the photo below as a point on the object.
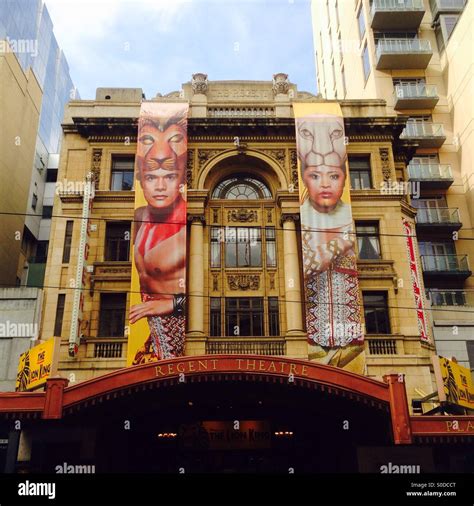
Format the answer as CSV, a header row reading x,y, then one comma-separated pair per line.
x,y
270,316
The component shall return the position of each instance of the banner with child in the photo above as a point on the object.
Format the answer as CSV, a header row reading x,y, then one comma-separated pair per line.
x,y
332,297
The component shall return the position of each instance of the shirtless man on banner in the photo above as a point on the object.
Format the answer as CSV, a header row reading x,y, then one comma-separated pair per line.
x,y
160,235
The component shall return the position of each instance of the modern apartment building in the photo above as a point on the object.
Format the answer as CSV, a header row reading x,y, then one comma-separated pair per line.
x,y
34,88
26,36
417,56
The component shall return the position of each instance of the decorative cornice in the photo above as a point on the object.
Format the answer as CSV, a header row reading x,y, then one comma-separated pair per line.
x,y
199,218
294,217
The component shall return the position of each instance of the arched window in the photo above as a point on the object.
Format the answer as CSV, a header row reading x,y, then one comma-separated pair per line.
x,y
241,188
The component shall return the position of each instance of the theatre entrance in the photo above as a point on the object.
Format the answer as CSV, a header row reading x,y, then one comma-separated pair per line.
x,y
233,426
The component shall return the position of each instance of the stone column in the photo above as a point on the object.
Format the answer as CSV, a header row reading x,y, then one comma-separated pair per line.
x,y
195,336
295,335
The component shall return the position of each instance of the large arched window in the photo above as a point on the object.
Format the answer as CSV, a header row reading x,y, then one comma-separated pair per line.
x,y
241,187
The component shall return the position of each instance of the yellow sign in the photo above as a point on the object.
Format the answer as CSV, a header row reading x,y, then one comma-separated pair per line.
x,y
454,382
34,367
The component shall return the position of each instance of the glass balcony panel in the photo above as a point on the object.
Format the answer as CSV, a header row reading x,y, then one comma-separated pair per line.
x,y
403,54
392,14
449,263
446,6
429,171
416,90
438,215
428,135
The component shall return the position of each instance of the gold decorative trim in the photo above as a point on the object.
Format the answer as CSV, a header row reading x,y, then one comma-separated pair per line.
x,y
242,215
243,282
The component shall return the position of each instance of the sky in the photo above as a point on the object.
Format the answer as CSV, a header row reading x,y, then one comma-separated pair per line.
x,y
157,45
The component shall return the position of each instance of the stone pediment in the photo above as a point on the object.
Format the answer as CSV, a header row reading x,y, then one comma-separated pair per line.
x,y
238,91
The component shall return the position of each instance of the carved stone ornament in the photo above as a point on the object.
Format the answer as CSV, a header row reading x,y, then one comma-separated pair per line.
x,y
269,215
215,282
294,168
279,155
199,83
242,215
280,83
215,215
206,154
385,159
272,280
96,162
243,281
190,168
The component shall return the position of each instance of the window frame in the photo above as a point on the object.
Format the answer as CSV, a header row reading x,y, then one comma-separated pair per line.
x,y
113,170
108,250
379,309
240,312
376,234
107,315
67,241
352,157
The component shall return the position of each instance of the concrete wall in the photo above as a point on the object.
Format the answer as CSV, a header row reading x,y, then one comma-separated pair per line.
x,y
20,316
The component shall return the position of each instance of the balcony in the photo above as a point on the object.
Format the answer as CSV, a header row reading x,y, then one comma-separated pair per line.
x,y
432,176
403,54
426,134
438,219
446,7
396,14
36,272
251,346
451,298
445,266
415,96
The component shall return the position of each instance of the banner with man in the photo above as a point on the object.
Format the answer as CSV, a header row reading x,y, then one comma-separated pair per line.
x,y
333,305
157,301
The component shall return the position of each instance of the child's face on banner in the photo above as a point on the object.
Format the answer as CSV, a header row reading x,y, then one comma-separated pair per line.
x,y
325,186
161,158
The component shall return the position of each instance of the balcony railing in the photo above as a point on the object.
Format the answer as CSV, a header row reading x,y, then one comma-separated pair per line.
x,y
241,112
438,216
451,298
415,90
429,135
431,171
382,346
108,350
447,6
445,263
396,14
425,129
234,346
403,53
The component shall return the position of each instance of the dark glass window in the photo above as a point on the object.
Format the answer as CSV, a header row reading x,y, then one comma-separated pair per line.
x,y
112,314
376,313
58,322
273,317
42,251
243,247
366,61
34,201
51,175
67,242
215,321
47,212
368,241
270,244
117,241
360,173
361,22
123,168
470,353
244,316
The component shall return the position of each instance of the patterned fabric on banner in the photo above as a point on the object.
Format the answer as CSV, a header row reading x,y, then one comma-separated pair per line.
x,y
333,305
157,301
415,278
